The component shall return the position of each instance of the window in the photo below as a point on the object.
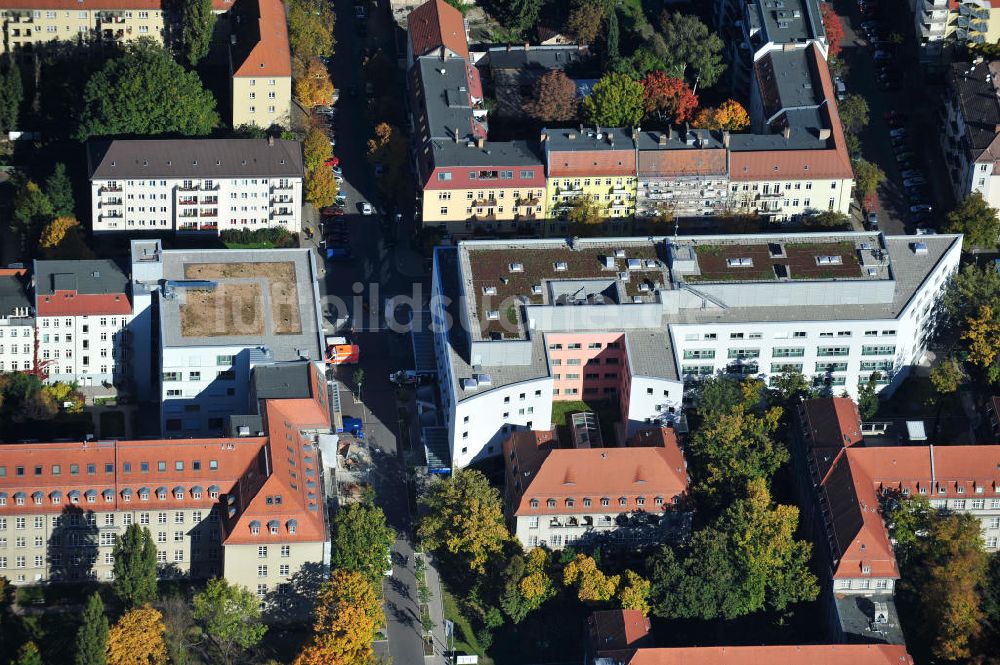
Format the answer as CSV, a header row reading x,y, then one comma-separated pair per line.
x,y
262,552
286,550
699,354
788,352
178,536
878,350
832,351
261,571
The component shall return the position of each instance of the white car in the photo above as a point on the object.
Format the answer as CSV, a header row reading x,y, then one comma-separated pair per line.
x,y
899,132
388,560
366,208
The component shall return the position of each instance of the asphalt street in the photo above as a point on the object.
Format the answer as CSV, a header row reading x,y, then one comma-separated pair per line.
x,y
363,284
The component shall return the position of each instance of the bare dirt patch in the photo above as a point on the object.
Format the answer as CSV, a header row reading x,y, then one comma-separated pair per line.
x,y
281,289
230,309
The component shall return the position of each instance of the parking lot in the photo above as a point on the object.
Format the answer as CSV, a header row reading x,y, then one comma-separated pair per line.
x,y
901,137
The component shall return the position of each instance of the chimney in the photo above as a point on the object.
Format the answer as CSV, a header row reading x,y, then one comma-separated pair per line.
x,y
786,132
662,139
508,48
544,136
232,40
824,134
725,138
527,46
581,128
457,138
996,129
635,134
480,142
687,130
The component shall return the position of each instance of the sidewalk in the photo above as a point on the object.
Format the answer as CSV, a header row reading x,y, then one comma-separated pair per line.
x,y
437,613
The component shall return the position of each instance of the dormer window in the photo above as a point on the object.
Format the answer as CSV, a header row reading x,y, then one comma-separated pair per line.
x,y
640,501
866,569
255,528
534,504
658,500
551,503
623,501
586,503
570,503
605,501
961,489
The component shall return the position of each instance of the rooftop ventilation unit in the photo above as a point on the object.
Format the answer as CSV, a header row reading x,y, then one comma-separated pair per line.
x,y
489,290
743,262
516,267
609,262
919,248
634,264
560,266
636,300
619,253
644,287
536,289
623,275
652,263
484,379
469,384
493,315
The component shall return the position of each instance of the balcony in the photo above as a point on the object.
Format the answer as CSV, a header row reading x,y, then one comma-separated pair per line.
x,y
111,215
109,202
279,186
210,212
188,202
528,202
209,200
109,189
281,199
209,226
187,226
189,188
188,213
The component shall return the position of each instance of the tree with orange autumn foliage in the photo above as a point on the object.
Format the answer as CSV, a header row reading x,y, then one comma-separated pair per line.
x,y
669,97
348,613
834,27
313,87
592,584
55,231
729,115
137,638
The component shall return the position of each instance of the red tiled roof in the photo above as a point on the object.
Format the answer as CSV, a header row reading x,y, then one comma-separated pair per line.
x,y
632,474
832,422
262,480
833,163
707,161
437,24
217,5
13,272
564,163
812,654
612,630
70,303
261,47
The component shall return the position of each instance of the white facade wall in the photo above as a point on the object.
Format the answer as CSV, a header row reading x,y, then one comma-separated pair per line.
x,y
196,204
540,530
87,349
482,422
784,200
651,399
200,386
17,344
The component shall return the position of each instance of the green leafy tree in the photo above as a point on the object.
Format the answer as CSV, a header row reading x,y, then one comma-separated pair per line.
x,y
11,94
584,21
690,49
28,655
60,191
92,637
32,209
828,219
527,584
144,91
615,101
464,518
788,386
854,113
612,36
310,28
971,288
720,394
734,447
634,593
868,397
747,561
947,375
230,616
592,585
975,218
361,541
868,177
135,566
321,187
197,24
516,15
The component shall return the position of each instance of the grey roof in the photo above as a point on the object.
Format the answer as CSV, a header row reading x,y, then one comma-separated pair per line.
x,y
787,81
680,139
650,353
86,277
437,448
585,138
254,425
194,158
446,97
804,126
975,90
856,614
13,295
282,381
496,154
786,21
459,346
544,57
269,347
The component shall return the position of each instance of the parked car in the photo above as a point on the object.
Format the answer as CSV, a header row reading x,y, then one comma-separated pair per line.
x,y
366,208
360,13
912,173
872,221
337,171
896,118
841,89
914,182
904,155
899,132
325,110
921,207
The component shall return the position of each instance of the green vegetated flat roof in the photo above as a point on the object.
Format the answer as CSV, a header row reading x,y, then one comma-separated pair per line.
x,y
801,260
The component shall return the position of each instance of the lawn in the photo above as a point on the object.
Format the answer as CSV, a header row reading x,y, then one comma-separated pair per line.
x,y
465,637
606,410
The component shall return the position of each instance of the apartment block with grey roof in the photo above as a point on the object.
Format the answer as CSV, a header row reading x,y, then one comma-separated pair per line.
x,y
520,325
195,185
